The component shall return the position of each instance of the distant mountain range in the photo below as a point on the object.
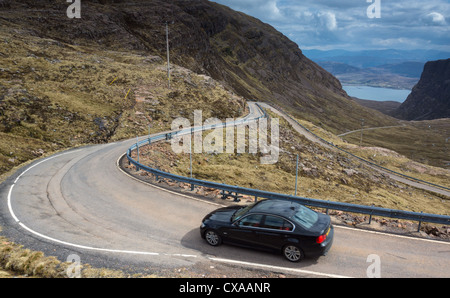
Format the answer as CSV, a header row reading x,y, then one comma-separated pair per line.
x,y
375,58
399,69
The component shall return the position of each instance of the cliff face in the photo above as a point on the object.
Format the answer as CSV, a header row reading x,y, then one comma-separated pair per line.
x,y
250,57
430,98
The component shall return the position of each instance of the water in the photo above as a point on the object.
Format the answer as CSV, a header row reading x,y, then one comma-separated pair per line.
x,y
376,93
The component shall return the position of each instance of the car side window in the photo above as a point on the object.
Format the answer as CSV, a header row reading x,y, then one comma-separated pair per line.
x,y
252,220
277,223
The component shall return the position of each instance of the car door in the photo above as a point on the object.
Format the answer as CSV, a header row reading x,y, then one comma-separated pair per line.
x,y
274,232
243,231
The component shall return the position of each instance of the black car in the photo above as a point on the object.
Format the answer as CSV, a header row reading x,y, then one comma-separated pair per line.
x,y
277,225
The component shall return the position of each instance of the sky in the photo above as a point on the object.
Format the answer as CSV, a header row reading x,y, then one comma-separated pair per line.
x,y
355,24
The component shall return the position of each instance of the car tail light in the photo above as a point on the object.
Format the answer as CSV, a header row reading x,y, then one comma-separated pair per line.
x,y
321,238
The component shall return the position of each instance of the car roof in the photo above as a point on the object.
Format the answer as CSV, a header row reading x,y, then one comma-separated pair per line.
x,y
278,207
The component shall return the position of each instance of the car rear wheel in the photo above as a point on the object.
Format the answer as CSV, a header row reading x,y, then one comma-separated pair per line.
x,y
213,238
293,253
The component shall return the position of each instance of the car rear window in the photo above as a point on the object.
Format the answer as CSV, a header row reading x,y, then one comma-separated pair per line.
x,y
277,223
305,216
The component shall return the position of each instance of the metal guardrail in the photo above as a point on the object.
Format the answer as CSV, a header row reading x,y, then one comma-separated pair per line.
x,y
360,158
347,207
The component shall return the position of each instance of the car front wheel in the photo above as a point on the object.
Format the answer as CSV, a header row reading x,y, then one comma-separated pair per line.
x,y
213,238
292,252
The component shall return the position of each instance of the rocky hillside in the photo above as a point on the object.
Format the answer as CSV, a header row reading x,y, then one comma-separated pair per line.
x,y
56,94
248,56
102,77
430,98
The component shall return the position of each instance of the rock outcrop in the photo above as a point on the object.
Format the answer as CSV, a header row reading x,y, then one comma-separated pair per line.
x,y
430,98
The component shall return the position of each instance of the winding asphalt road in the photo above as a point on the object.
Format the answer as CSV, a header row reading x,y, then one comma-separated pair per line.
x,y
80,202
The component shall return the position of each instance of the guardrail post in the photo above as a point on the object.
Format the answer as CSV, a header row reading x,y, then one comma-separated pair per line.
x,y
370,216
137,151
420,223
236,197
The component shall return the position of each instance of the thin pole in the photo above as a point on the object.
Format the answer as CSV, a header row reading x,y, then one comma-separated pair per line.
x,y
190,153
190,161
362,128
190,158
137,151
149,139
296,177
168,53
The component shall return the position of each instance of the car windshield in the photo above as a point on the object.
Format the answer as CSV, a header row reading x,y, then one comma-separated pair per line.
x,y
240,212
305,216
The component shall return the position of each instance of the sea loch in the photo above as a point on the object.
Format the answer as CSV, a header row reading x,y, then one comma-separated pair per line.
x,y
376,93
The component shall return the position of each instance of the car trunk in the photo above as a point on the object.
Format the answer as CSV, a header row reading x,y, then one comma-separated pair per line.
x,y
321,226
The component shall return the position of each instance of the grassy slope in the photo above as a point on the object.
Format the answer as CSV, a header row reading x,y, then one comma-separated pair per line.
x,y
323,174
425,141
56,96
382,146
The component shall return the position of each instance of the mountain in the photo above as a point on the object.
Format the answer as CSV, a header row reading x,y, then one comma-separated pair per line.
x,y
246,55
430,98
102,77
66,82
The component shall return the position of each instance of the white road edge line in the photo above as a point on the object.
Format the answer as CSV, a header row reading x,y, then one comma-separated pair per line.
x,y
277,268
392,235
9,200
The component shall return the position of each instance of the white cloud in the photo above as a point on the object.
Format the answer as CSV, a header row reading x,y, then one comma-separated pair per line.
x,y
272,8
264,9
328,20
344,23
435,19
